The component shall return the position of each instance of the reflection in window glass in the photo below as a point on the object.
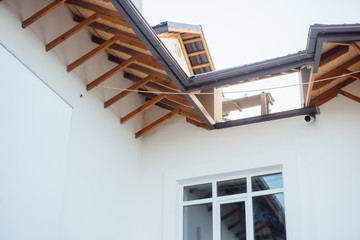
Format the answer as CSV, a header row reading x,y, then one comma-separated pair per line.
x,y
269,217
198,222
266,182
231,187
233,221
195,192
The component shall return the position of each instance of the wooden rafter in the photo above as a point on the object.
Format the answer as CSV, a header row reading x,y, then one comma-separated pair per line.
x,y
356,47
124,36
332,54
141,57
97,9
141,68
191,116
156,123
169,86
354,75
207,53
179,99
335,72
170,105
72,31
92,53
142,108
331,93
110,73
349,95
340,43
42,13
124,93
201,125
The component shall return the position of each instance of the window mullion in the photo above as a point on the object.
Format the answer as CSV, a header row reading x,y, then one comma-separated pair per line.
x,y
216,213
249,212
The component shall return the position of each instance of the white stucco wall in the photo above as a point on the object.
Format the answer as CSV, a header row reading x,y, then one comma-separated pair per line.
x,y
86,190
320,164
107,185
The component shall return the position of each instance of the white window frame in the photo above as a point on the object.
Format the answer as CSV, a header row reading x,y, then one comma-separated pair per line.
x,y
217,201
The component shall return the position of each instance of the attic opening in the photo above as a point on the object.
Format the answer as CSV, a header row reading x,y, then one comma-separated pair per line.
x,y
271,95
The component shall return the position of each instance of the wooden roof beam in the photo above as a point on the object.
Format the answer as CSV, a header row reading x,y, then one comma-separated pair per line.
x,y
332,54
72,31
335,72
198,124
349,95
191,116
92,53
42,13
142,108
96,8
140,57
331,93
340,43
124,93
170,86
354,75
156,123
110,73
141,68
124,36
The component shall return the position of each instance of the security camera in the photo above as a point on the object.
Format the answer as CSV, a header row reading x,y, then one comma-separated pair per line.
x,y
309,119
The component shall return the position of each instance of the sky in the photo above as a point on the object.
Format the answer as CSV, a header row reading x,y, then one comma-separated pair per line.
x,y
241,32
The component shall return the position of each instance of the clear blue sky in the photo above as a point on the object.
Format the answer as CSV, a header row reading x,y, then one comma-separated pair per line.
x,y
241,32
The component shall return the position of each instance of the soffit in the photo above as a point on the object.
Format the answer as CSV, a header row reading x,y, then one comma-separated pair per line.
x,y
338,62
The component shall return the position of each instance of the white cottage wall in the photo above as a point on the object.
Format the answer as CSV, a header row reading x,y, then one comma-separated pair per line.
x,y
320,165
87,191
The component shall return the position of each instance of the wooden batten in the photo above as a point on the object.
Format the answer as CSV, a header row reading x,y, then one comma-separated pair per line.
x,y
124,93
156,123
110,73
95,8
332,54
356,47
350,96
192,40
170,86
335,72
331,93
201,66
92,53
42,13
142,108
72,31
191,116
196,53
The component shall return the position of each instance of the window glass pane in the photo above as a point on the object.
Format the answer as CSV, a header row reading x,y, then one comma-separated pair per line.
x,y
233,225
197,192
230,187
266,182
269,217
198,222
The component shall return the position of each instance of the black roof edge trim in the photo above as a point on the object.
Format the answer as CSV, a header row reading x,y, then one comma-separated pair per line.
x,y
312,111
147,35
234,78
